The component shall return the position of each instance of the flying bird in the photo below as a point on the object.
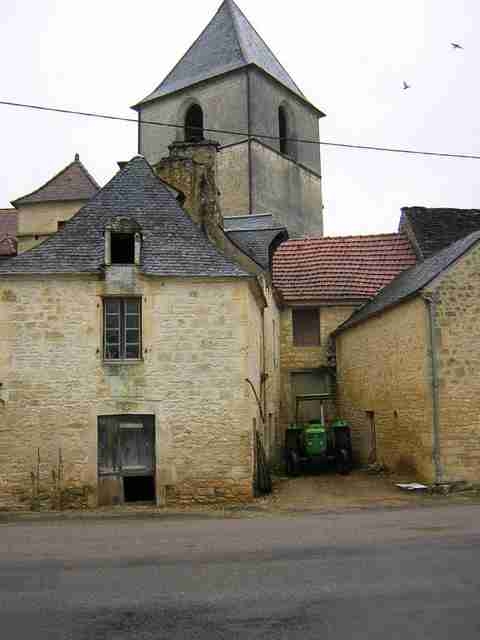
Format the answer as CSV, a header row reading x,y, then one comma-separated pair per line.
x,y
455,45
405,85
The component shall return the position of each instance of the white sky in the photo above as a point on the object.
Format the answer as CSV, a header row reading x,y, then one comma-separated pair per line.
x,y
349,57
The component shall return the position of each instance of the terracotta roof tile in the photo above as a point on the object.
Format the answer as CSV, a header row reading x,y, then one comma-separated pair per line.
x,y
72,183
351,268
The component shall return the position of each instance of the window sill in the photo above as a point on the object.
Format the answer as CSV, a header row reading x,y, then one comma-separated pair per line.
x,y
122,362
307,346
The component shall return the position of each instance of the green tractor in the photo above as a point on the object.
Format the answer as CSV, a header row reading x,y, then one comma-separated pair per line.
x,y
314,443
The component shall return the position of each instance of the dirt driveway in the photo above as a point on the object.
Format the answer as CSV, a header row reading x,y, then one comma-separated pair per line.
x,y
360,489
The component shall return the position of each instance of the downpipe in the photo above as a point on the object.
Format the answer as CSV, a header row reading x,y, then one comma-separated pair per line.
x,y
431,305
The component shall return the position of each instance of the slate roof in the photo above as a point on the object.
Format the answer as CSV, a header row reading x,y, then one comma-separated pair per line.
x,y
172,244
340,269
72,183
251,222
255,235
435,229
229,42
411,281
8,222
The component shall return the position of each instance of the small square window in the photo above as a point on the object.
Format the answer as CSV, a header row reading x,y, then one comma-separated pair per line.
x,y
306,327
122,329
123,248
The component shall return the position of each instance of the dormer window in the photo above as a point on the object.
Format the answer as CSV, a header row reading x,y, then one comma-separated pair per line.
x,y
122,248
123,242
194,124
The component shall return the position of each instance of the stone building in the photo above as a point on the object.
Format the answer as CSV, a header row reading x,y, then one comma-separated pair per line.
x,y
159,333
407,365
229,81
147,366
44,211
320,283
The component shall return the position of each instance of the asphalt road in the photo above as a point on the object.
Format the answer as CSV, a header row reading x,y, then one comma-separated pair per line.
x,y
409,574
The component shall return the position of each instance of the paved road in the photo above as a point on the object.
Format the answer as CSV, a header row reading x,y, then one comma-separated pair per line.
x,y
410,574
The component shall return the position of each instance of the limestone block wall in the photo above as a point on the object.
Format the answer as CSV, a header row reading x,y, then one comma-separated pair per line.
x,y
191,379
224,104
38,221
383,366
457,334
233,179
291,192
297,359
303,121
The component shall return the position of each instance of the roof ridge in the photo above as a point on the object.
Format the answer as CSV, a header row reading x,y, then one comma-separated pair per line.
x,y
351,237
231,9
232,6
188,51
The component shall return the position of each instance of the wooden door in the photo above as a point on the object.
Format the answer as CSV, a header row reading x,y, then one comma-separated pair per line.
x,y
126,448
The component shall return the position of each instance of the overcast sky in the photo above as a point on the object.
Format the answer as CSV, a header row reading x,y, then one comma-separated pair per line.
x,y
350,58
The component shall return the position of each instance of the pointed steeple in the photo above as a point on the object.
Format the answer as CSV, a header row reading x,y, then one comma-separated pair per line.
x,y
229,42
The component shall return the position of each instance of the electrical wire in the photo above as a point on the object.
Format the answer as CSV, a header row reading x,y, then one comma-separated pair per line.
x,y
244,134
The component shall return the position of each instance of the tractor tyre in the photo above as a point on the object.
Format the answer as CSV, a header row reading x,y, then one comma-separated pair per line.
x,y
293,464
343,462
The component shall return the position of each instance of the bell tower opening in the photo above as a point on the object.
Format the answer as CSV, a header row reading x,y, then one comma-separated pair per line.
x,y
194,124
283,130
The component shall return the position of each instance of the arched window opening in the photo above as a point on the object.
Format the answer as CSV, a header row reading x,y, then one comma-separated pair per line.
x,y
283,130
194,124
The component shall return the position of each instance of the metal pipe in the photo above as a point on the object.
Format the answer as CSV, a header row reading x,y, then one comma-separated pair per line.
x,y
432,311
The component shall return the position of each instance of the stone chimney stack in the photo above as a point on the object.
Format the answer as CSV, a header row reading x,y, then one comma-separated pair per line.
x,y
192,169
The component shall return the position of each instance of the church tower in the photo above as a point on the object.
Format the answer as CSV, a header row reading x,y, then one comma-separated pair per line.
x,y
229,80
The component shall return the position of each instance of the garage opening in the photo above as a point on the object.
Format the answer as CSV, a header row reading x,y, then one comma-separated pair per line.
x,y
139,489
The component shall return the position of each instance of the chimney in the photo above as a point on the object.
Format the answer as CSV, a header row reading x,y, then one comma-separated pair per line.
x,y
192,169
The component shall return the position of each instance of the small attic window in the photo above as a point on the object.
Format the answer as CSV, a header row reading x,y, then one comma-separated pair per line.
x,y
194,124
123,241
122,248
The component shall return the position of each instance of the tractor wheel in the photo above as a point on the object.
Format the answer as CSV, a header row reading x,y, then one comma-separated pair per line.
x,y
343,462
293,463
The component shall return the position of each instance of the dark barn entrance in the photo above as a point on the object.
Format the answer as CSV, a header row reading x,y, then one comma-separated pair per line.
x,y
126,459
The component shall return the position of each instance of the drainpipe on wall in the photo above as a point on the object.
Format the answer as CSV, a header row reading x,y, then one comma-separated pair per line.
x,y
431,305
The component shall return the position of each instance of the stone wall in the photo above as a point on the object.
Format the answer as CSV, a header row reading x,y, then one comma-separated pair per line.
x,y
224,104
36,222
288,190
266,98
196,357
457,337
233,179
383,366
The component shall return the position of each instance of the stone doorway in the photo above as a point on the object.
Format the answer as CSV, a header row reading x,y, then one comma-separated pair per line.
x,y
126,459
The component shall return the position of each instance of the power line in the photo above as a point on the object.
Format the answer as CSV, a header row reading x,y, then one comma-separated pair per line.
x,y
243,134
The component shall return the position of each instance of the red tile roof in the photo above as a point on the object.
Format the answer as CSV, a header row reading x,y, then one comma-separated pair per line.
x,y
8,232
72,183
351,268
